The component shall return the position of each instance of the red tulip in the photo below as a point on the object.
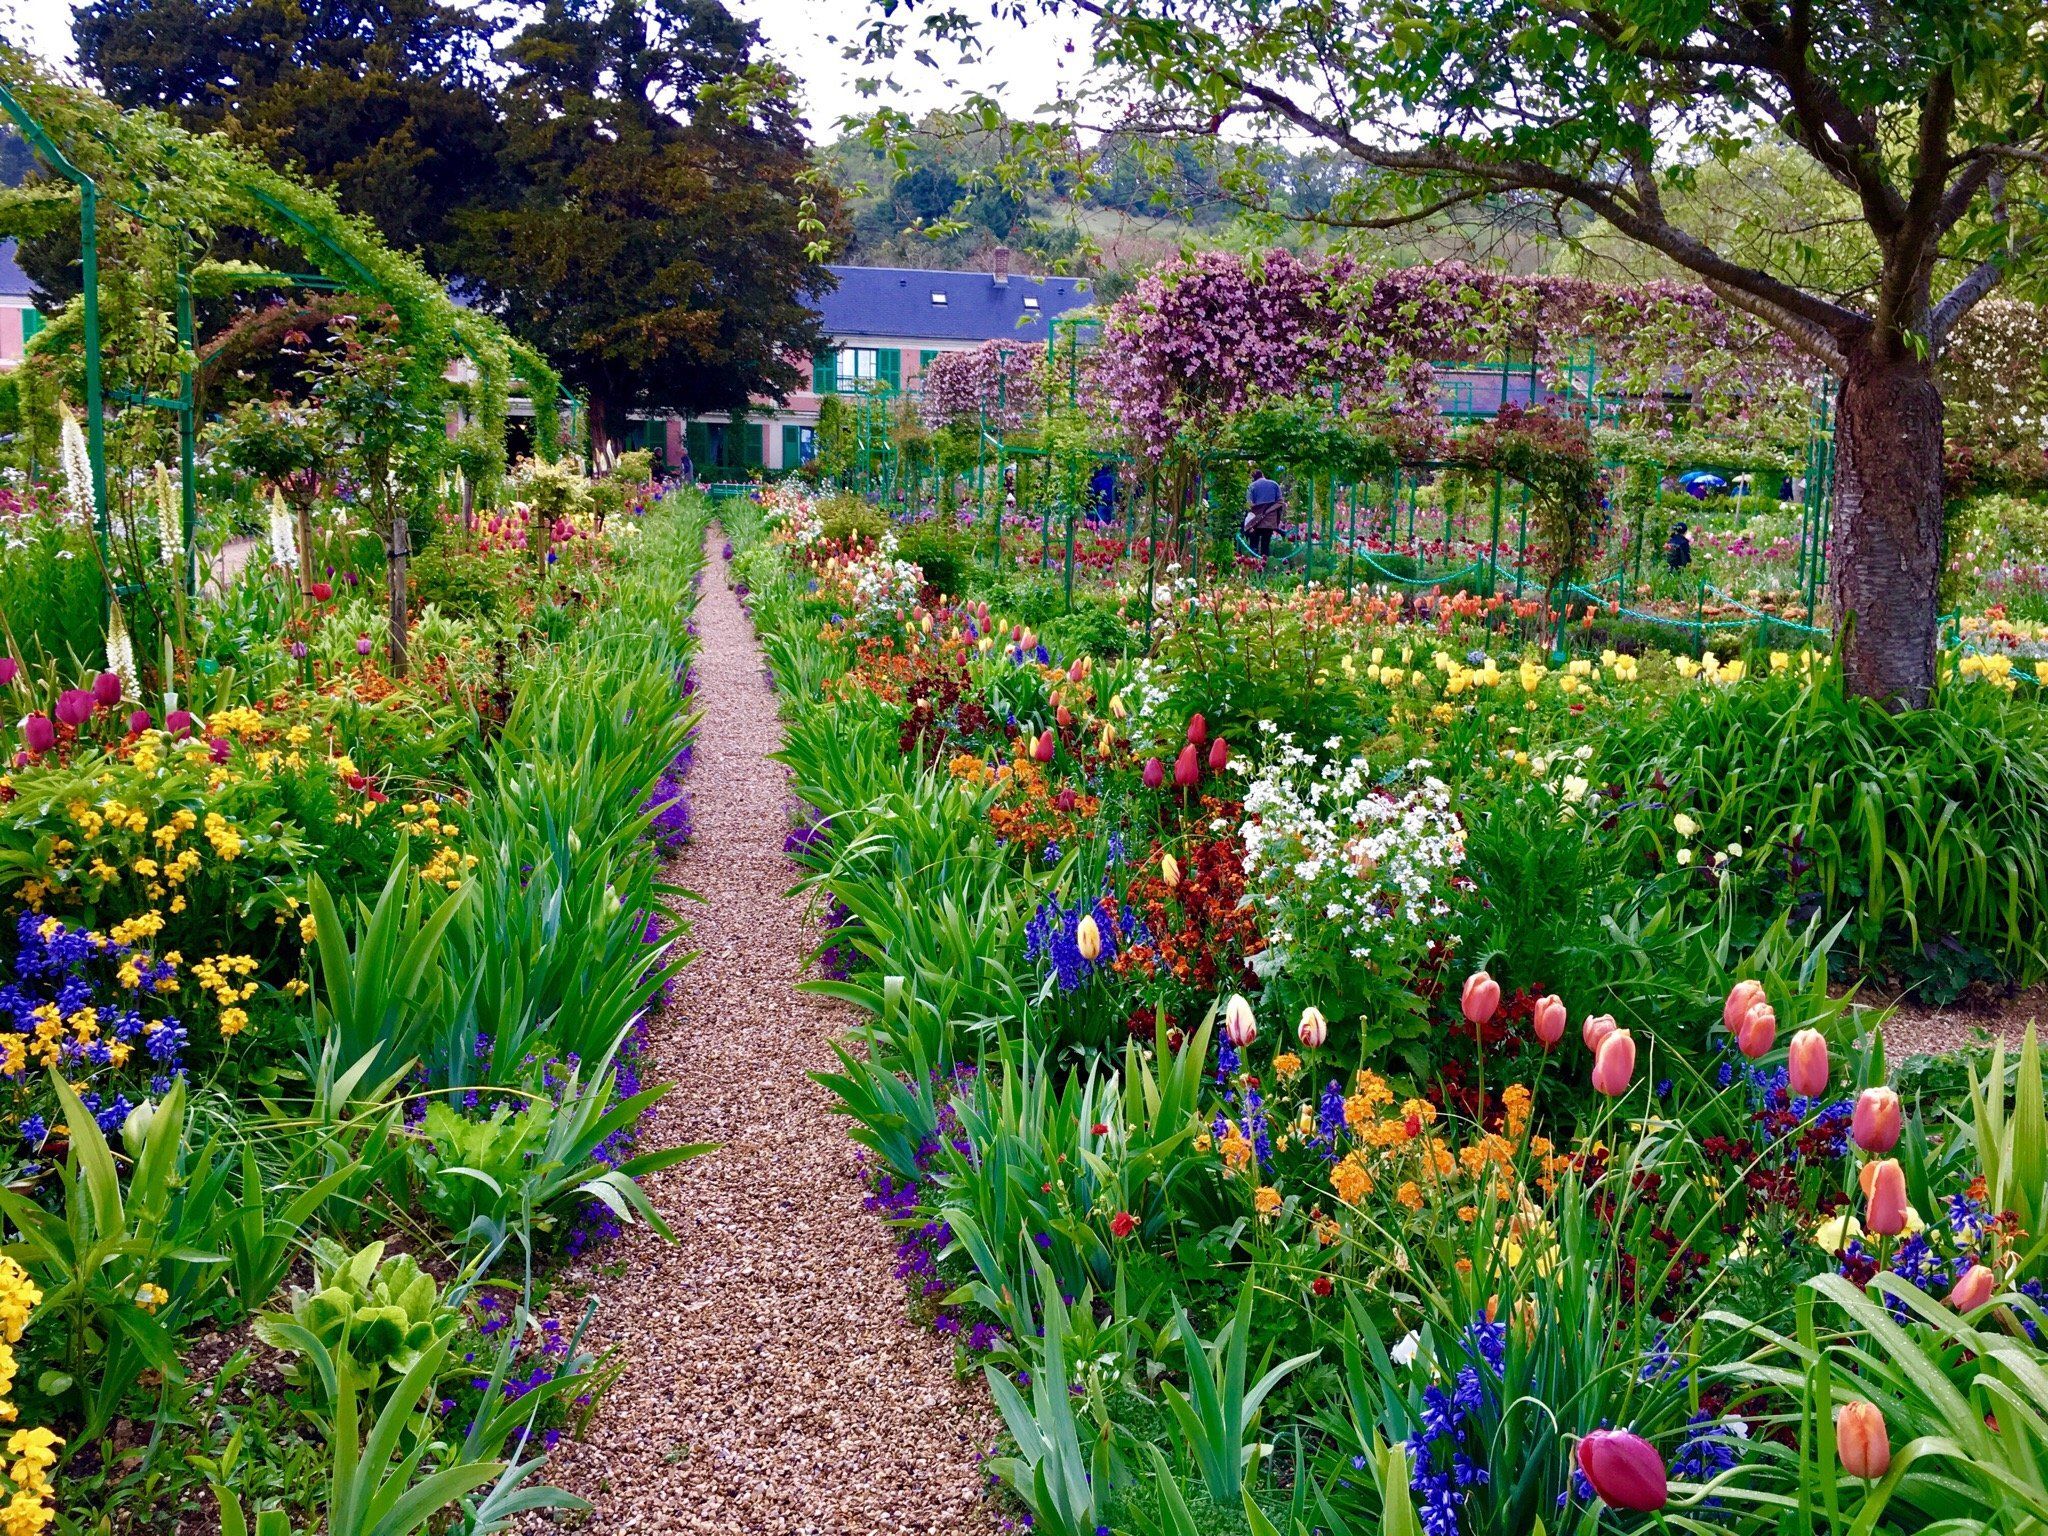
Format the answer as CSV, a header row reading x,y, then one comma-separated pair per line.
x,y
74,707
1862,1441
179,722
1742,997
138,722
1875,1125
106,690
1973,1290
1625,1470
1884,1191
1198,731
320,591
1757,1032
1219,754
39,733
1187,768
1549,1020
1807,1064
1043,748
1479,998
1123,1224
1598,1027
1614,1064
1155,773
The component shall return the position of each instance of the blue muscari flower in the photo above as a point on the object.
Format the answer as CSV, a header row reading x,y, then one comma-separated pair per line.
x,y
34,1132
1330,1113
1727,1073
110,1118
1052,853
1116,849
165,1042
1227,1063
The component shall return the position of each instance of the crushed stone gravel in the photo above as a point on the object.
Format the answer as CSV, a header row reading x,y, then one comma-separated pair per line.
x,y
774,1382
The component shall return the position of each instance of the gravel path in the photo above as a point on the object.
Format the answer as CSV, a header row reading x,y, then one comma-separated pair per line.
x,y
774,1383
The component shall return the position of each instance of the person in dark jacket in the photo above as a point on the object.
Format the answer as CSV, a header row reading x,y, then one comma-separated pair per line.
x,y
1678,549
1264,504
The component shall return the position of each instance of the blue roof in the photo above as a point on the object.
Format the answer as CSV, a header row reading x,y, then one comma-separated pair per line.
x,y
897,301
14,283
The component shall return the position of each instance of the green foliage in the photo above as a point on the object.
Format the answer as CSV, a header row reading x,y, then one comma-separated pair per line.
x,y
373,1317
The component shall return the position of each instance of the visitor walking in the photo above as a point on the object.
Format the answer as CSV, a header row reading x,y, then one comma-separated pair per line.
x,y
1678,549
1264,504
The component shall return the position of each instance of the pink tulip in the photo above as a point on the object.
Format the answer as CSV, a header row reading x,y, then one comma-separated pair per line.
x,y
39,733
1757,1032
1549,1020
1807,1064
1077,671
1973,1290
1625,1470
1614,1064
179,722
1479,998
1063,715
1862,1441
138,722
1876,1123
1598,1027
1155,773
1884,1191
1043,748
106,690
10,669
1742,997
1219,754
74,707
1187,768
1198,731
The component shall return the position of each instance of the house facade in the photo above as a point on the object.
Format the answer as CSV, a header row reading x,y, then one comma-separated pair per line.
x,y
883,325
18,318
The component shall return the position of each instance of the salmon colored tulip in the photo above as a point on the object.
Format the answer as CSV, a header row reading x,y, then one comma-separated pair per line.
x,y
1219,754
1862,1441
1876,1122
1549,1020
1198,731
1479,999
1598,1027
1742,997
1625,1470
1088,938
1169,866
1187,768
1806,1064
1973,1290
1313,1029
1154,774
1239,1025
1064,716
1757,1032
1044,748
1884,1189
1078,670
1614,1064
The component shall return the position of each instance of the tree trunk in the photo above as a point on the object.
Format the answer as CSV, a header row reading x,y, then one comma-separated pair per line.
x,y
600,425
398,552
1886,557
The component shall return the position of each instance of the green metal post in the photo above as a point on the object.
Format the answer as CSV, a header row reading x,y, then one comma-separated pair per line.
x,y
188,442
1493,541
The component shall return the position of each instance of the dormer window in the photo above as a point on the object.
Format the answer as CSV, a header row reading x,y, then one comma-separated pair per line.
x,y
937,297
1030,302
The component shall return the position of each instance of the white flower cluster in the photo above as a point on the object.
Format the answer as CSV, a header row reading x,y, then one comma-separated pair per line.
x,y
792,516
1328,843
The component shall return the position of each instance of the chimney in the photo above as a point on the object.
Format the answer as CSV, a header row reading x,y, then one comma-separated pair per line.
x,y
999,264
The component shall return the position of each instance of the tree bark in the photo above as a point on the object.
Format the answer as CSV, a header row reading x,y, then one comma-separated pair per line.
x,y
1885,564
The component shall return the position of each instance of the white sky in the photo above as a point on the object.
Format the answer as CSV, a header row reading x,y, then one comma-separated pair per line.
x,y
1026,70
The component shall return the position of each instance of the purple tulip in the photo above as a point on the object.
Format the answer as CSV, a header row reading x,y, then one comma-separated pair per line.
x,y
10,669
39,733
219,749
138,722
106,690
362,645
179,722
74,707
1624,1469
1155,773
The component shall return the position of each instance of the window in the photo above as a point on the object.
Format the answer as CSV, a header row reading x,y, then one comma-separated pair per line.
x,y
924,359
1030,302
869,368
938,297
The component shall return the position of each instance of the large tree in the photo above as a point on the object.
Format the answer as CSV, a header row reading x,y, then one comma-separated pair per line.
x,y
667,230
390,104
1931,116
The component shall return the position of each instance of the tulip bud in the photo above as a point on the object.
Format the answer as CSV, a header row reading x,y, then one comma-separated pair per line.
x,y
138,722
39,734
1169,866
1884,1189
1088,938
1155,773
10,669
1198,731
1016,634
362,645
1219,754
1974,1289
1043,748
1549,1020
106,690
1807,1064
1078,670
1240,1028
1757,1032
1116,705
1862,1441
1598,1027
1187,768
179,722
74,707
1480,998
1624,1470
1314,1029
1064,716
320,591
1875,1125
1742,997
926,626
1614,1064
1107,739
135,1128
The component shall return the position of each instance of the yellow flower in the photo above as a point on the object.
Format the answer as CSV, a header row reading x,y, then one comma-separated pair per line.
x,y
1410,1195
1266,1200
1350,1180
1287,1063
149,1297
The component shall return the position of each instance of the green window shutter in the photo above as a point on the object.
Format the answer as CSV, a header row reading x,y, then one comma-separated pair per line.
x,y
31,325
825,372
924,359
792,446
889,369
752,448
697,438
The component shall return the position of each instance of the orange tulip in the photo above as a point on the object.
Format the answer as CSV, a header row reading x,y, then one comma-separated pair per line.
x,y
1757,1032
1615,1063
1807,1064
1742,997
1875,1124
1480,998
1884,1190
1973,1290
1549,1020
1862,1441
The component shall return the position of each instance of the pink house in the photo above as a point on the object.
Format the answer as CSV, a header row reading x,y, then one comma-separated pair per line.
x,y
18,317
